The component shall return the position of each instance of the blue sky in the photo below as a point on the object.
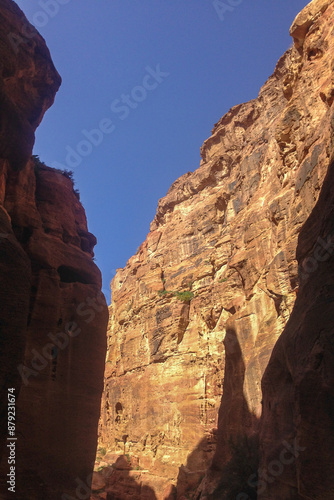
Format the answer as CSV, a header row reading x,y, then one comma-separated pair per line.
x,y
152,76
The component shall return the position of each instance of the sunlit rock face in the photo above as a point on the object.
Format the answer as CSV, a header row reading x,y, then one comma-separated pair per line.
x,y
298,384
53,317
195,314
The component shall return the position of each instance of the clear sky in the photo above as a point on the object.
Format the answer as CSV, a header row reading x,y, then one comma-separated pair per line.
x,y
153,76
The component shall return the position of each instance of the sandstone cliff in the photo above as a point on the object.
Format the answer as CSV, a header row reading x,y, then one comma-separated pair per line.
x,y
298,384
195,314
52,314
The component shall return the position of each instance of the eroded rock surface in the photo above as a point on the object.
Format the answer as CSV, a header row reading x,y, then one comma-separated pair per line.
x,y
298,384
52,314
196,312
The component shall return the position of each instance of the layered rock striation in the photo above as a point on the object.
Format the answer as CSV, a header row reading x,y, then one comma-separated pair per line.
x,y
298,384
52,314
195,314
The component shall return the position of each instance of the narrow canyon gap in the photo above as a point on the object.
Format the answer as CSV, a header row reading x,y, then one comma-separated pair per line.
x,y
219,379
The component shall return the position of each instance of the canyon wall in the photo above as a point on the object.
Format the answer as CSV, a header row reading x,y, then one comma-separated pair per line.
x,y
298,384
195,314
53,316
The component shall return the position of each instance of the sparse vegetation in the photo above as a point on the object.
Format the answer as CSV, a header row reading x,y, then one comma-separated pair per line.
x,y
69,174
102,451
37,162
183,296
222,280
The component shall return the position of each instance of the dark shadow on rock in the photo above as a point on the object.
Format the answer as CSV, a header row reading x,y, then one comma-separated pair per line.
x,y
121,482
298,383
235,461
192,473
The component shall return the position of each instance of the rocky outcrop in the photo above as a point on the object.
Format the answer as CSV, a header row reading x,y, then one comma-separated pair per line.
x,y
195,314
52,314
298,384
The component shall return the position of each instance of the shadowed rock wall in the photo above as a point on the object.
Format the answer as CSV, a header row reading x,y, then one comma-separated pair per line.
x,y
52,314
298,384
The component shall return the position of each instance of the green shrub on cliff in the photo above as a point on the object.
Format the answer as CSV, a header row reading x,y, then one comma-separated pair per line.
x,y
69,174
183,296
37,162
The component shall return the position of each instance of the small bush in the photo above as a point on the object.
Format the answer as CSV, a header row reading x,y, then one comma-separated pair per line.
x,y
37,162
76,193
68,173
183,296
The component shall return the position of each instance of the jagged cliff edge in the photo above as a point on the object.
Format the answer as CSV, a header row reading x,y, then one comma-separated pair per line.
x,y
196,313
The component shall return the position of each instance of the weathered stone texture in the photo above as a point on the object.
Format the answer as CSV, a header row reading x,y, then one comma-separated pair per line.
x,y
298,384
53,316
226,233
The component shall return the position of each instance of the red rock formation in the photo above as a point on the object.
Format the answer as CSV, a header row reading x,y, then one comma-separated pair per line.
x,y
52,314
298,384
222,254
